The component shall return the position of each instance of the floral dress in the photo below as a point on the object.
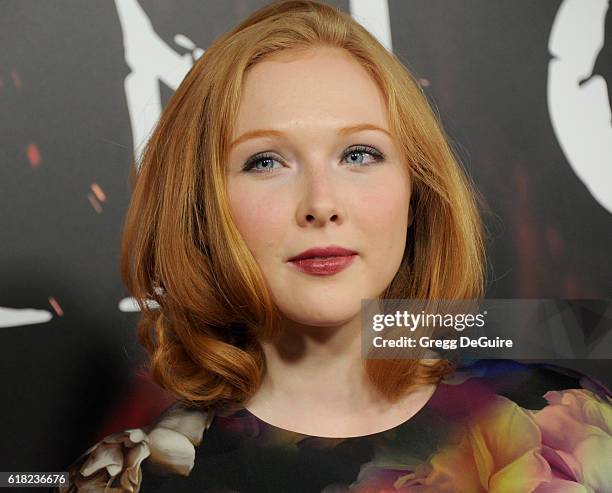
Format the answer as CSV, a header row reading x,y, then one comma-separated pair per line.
x,y
493,426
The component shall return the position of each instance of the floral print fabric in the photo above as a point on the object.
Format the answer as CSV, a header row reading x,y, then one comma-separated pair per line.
x,y
494,426
113,464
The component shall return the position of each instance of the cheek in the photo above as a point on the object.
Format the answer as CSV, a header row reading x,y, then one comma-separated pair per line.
x,y
384,210
258,219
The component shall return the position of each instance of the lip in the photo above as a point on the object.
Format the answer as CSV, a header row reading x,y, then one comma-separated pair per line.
x,y
329,251
336,259
324,267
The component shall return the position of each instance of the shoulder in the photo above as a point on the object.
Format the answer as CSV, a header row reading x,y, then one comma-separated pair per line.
x,y
116,461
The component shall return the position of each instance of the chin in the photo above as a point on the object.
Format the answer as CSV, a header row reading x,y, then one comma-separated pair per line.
x,y
324,313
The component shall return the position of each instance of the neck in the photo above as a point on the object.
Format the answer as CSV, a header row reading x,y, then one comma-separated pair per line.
x,y
315,367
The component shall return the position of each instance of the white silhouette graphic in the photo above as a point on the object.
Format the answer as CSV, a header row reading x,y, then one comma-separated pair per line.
x,y
150,60
374,16
580,112
15,317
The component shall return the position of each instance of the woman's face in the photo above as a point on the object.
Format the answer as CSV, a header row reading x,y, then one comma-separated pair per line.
x,y
316,186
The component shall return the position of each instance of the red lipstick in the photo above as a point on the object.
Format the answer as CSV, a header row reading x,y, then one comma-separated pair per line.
x,y
324,261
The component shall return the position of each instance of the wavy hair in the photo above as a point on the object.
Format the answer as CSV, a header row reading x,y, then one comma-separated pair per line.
x,y
181,250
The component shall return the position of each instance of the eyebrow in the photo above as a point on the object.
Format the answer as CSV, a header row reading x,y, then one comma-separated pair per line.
x,y
253,134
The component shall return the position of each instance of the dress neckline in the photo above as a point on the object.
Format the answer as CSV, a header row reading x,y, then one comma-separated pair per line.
x,y
269,427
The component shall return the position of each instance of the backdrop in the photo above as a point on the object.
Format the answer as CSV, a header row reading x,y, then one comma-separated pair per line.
x,y
522,87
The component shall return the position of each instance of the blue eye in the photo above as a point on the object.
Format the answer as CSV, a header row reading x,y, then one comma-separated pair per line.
x,y
267,159
353,151
257,159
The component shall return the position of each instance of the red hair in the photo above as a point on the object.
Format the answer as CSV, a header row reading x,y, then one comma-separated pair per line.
x,y
181,249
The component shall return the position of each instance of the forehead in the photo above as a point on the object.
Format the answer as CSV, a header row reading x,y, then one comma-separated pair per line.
x,y
310,86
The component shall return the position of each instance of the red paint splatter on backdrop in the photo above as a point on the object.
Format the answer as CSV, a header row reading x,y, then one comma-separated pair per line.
x,y
94,202
56,306
33,155
98,192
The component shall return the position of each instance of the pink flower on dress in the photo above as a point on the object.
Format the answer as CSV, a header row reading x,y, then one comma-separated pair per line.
x,y
564,448
576,428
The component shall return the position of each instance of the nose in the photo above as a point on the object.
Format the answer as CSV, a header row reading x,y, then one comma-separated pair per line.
x,y
320,203
321,217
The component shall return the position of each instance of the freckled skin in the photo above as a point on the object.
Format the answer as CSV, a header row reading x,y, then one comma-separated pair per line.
x,y
309,95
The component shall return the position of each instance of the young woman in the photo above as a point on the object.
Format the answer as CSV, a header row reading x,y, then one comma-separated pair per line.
x,y
297,136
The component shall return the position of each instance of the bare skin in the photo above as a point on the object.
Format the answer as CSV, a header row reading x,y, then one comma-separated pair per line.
x,y
315,189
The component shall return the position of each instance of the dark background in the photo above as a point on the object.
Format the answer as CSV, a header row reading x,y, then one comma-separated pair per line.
x,y
64,125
